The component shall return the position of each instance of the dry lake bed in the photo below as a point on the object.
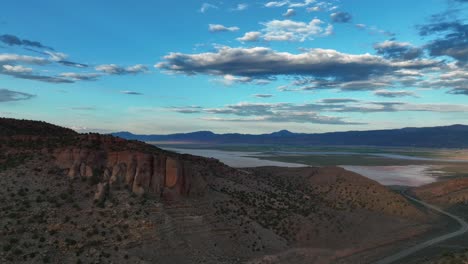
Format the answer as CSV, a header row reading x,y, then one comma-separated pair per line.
x,y
408,175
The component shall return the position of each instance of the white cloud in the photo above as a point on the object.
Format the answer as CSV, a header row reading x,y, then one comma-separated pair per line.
x,y
277,3
322,6
302,4
260,62
240,7
14,58
250,36
118,70
80,76
221,28
289,3
393,94
229,79
57,56
16,69
289,30
206,6
289,13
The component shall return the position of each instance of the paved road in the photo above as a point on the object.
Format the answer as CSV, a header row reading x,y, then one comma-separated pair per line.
x,y
406,252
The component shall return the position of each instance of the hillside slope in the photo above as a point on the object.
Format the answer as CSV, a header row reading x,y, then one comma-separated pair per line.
x,y
69,198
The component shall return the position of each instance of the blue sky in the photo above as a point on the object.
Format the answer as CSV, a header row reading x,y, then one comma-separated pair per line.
x,y
235,66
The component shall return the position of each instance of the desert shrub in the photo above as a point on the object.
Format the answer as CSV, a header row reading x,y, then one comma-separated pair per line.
x,y
70,242
7,247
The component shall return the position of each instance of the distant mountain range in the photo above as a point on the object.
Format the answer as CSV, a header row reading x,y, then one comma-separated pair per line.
x,y
455,136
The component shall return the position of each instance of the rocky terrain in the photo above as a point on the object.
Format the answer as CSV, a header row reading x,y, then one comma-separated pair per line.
x,y
89,198
452,196
444,193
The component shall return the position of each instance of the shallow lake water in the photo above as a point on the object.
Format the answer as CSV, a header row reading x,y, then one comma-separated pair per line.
x,y
236,159
411,175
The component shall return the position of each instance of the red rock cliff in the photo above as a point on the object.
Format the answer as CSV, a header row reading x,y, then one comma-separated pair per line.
x,y
158,172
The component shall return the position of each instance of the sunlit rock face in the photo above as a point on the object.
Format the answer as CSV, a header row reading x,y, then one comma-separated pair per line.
x,y
110,162
172,170
170,177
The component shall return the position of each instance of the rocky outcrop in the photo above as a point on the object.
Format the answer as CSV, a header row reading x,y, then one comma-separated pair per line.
x,y
160,173
108,162
101,193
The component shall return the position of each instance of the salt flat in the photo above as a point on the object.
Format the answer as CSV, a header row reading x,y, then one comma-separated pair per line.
x,y
410,175
236,159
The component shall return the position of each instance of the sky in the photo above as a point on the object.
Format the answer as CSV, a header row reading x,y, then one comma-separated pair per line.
x,y
160,67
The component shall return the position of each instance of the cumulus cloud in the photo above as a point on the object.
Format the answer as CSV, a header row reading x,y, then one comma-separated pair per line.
x,y
451,40
72,64
322,6
56,56
6,58
229,79
393,94
398,50
13,40
455,79
311,118
261,62
271,112
301,4
80,76
114,69
221,28
338,100
250,36
9,65
401,78
186,109
16,69
311,112
341,17
13,64
276,3
289,3
10,96
22,72
61,58
41,78
290,30
289,13
274,112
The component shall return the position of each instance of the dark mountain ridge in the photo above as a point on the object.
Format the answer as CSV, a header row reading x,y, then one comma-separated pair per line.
x,y
454,136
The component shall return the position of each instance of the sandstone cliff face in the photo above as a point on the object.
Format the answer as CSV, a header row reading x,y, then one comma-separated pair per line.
x,y
168,175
